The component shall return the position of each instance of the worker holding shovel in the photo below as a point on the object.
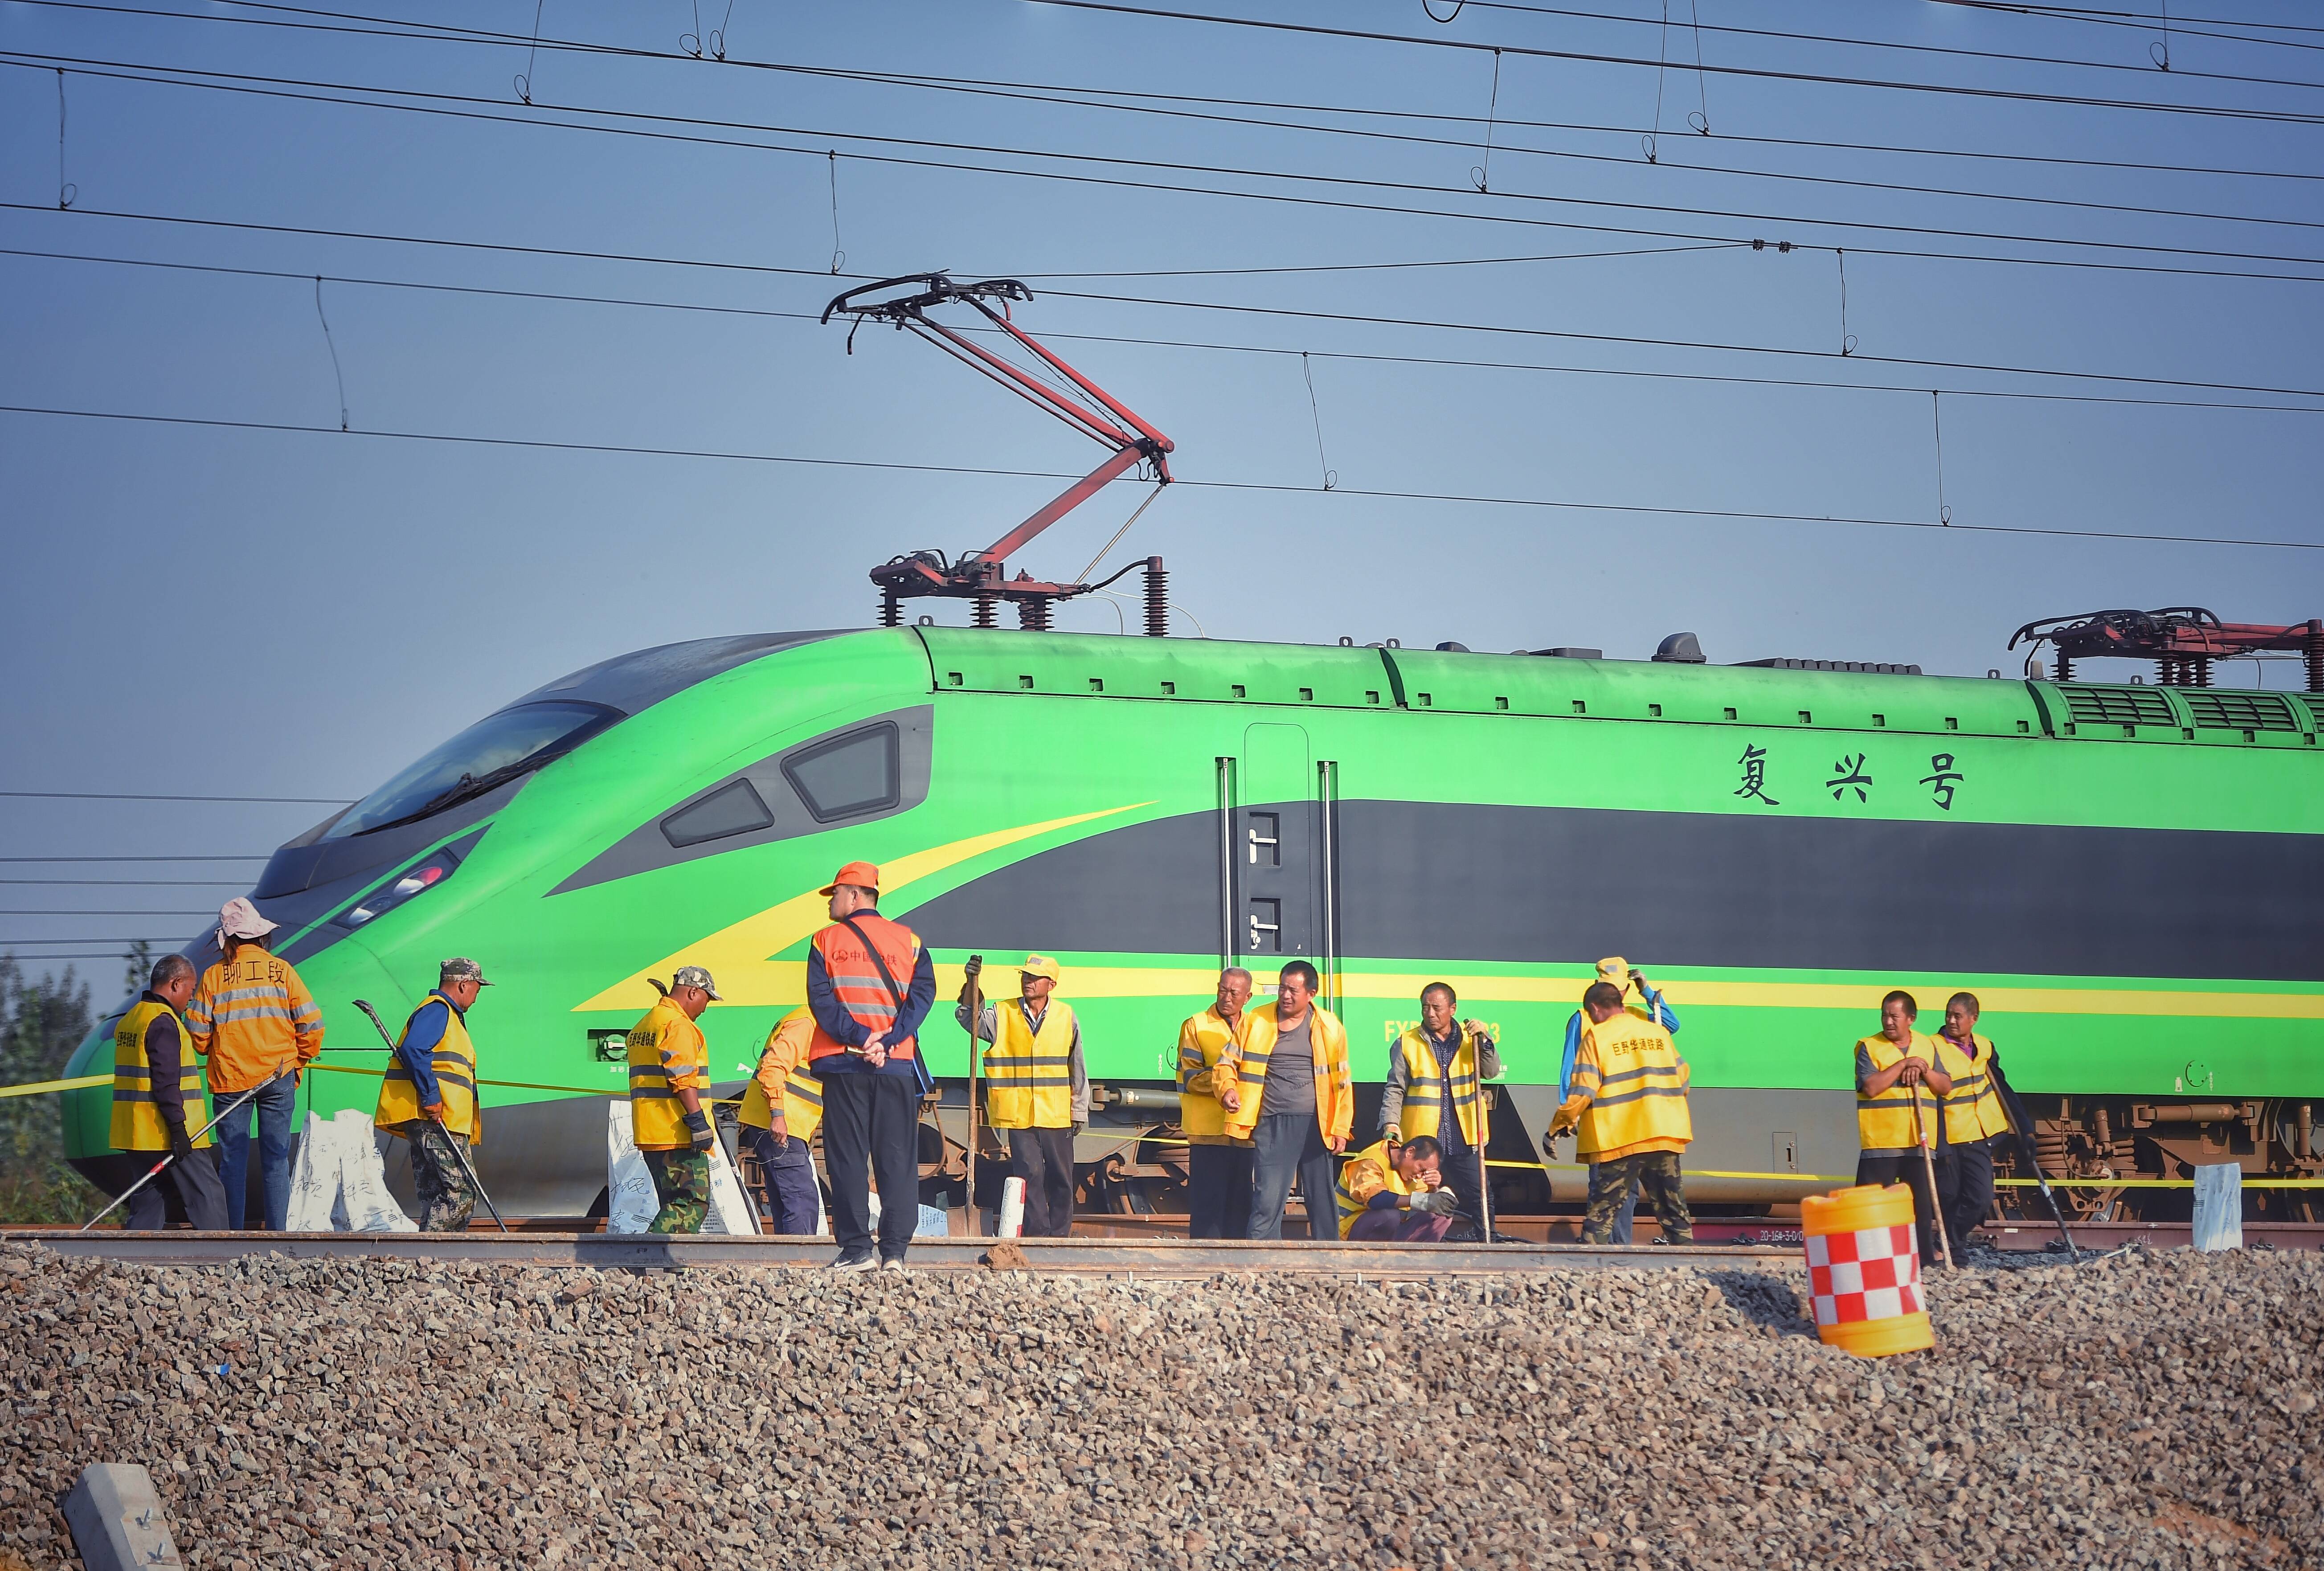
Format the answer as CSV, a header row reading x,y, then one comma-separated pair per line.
x,y
1897,1077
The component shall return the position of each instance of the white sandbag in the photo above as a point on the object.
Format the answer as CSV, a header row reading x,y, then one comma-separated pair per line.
x,y
931,1223
314,1179
631,1201
2219,1207
630,1198
366,1203
339,1183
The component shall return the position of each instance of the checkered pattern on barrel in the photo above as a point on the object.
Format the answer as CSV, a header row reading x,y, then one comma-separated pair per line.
x,y
1871,1275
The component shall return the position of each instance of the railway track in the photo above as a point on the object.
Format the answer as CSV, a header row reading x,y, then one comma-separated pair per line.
x,y
1083,1256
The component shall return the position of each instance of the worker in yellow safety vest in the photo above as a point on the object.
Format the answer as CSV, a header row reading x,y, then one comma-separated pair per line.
x,y
1974,1121
429,1098
1290,1093
1901,1086
1627,1108
156,1088
781,1109
1438,1062
1036,1087
1217,1165
252,1018
670,1076
1396,1194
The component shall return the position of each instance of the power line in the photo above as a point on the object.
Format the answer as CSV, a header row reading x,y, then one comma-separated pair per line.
x,y
1178,167
138,797
1243,485
447,32
1902,46
1628,339
223,80
72,914
1212,346
2144,21
2207,111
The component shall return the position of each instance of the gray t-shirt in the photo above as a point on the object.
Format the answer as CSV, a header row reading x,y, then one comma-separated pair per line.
x,y
1291,1070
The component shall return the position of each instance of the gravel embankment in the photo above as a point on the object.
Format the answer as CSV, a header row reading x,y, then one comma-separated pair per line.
x,y
2141,1410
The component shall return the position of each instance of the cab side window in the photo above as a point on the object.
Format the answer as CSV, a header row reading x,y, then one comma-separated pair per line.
x,y
848,775
734,809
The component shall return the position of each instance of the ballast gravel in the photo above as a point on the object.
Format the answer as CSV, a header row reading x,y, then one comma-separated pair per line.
x,y
2139,1410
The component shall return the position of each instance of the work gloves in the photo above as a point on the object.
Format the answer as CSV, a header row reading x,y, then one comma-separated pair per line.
x,y
1438,1202
697,1126
180,1143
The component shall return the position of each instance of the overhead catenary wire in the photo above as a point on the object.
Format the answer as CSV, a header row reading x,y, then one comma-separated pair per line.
x,y
1143,99
1901,46
449,32
1199,345
1079,175
1826,79
1272,487
162,797
247,857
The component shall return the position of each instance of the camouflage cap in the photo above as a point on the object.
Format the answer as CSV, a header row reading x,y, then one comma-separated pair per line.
x,y
460,968
694,976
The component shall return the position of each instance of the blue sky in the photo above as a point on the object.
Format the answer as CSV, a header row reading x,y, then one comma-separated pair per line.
x,y
201,611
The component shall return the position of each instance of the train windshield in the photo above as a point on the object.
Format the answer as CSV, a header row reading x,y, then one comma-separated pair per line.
x,y
495,750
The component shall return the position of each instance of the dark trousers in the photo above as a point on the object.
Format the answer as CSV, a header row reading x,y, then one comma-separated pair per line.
x,y
194,1179
276,1101
1461,1176
1218,1191
1907,1168
1394,1225
1972,1188
1044,1158
1286,1146
789,1171
1655,1173
872,1128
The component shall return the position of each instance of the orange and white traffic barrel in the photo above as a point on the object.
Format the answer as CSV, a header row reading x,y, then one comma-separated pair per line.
x,y
1864,1271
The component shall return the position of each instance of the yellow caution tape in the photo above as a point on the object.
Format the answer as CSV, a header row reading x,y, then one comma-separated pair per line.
x,y
514,1085
2158,1183
79,1083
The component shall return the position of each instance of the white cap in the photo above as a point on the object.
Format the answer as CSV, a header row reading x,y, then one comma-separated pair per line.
x,y
238,919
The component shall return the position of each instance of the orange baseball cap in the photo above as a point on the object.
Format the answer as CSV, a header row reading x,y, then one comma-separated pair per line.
x,y
856,872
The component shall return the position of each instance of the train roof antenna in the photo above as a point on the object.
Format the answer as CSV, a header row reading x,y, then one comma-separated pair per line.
x,y
1073,399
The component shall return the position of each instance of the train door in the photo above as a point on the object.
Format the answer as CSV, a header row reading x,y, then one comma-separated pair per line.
x,y
1276,853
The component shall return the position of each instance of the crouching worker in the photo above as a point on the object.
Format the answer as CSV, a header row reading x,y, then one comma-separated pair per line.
x,y
430,1097
1628,1107
669,1074
781,1110
1390,1193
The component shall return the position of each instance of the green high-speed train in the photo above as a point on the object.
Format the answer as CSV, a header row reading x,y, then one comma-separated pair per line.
x,y
2131,876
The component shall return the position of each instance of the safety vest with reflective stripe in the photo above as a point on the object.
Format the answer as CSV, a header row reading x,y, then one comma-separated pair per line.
x,y
1424,1085
1203,1041
137,1124
1637,1084
783,1060
1973,1106
452,1061
855,981
665,1052
1884,1123
1361,1177
1028,1075
1335,1091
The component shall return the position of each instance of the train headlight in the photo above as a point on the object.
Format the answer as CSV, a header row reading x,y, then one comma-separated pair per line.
x,y
385,899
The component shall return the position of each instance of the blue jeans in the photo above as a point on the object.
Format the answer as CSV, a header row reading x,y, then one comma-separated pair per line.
x,y
274,1104
1285,1146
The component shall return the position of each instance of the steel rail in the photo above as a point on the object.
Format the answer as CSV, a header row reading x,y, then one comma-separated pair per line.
x,y
1078,1256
